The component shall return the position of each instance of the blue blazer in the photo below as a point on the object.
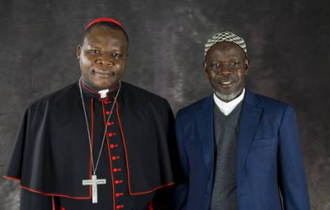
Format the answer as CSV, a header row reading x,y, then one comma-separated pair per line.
x,y
269,160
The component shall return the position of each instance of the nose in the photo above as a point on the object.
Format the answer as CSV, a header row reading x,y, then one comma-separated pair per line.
x,y
225,70
105,60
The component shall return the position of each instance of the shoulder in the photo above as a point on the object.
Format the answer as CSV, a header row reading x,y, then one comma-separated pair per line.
x,y
268,103
48,101
190,110
272,108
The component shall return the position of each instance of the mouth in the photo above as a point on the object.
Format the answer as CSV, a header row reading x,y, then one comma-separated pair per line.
x,y
226,83
103,73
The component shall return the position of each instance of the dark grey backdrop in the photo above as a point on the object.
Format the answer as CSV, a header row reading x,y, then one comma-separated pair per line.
x,y
288,44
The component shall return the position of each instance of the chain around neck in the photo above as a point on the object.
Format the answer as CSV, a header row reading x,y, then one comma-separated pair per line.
x,y
105,127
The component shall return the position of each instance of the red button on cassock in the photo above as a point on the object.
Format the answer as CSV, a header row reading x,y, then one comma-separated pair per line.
x,y
113,146
107,112
116,169
115,157
118,181
110,134
119,206
119,194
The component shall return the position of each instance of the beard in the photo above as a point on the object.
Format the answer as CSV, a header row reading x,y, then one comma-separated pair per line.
x,y
228,97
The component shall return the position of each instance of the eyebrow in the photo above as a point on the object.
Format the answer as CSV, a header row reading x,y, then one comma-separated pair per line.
x,y
94,47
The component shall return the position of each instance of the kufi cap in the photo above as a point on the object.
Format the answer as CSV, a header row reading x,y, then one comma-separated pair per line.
x,y
104,19
225,37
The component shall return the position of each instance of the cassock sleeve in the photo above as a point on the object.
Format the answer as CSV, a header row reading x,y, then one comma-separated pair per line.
x,y
292,178
35,201
14,169
181,186
163,199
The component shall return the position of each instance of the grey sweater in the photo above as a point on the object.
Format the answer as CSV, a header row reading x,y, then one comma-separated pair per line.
x,y
226,130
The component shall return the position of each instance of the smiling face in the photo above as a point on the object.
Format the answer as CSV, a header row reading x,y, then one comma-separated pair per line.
x,y
103,57
226,66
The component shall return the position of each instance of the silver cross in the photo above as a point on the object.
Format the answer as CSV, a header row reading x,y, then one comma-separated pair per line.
x,y
94,182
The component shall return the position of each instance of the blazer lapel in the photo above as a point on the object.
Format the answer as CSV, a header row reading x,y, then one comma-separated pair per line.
x,y
249,121
204,122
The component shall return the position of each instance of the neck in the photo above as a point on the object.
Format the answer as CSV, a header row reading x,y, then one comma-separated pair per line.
x,y
96,89
88,85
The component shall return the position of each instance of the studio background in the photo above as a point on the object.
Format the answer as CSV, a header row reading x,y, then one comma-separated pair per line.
x,y
288,45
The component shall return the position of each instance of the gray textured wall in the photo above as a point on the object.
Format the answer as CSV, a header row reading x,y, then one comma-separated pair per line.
x,y
288,44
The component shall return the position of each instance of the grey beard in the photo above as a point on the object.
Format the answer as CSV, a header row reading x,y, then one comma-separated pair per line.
x,y
229,97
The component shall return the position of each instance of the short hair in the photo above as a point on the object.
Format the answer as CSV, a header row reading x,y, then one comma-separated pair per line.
x,y
109,25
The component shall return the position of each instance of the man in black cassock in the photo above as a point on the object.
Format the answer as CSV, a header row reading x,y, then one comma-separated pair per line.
x,y
99,143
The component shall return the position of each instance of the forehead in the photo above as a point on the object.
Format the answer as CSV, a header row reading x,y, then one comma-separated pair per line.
x,y
225,49
105,36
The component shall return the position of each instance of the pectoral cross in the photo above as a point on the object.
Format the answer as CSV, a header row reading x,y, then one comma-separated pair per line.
x,y
94,182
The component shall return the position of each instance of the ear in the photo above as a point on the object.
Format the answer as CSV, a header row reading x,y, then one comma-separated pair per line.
x,y
204,67
78,52
247,65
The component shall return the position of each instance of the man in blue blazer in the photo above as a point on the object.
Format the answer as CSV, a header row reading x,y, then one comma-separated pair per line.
x,y
238,150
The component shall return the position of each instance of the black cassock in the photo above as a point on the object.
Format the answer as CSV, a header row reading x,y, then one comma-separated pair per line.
x,y
51,157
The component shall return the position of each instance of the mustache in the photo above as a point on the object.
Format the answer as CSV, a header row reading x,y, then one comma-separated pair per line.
x,y
222,78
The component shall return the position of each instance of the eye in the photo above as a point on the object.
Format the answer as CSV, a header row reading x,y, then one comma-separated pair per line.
x,y
116,55
235,65
215,65
94,52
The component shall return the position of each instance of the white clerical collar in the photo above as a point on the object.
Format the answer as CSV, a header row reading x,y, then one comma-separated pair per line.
x,y
103,93
227,107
